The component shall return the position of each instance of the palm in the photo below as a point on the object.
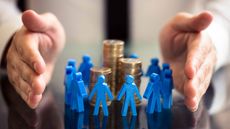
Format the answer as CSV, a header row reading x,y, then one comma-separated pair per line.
x,y
175,53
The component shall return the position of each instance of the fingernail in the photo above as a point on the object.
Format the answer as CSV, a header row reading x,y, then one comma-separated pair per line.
x,y
193,109
36,67
29,96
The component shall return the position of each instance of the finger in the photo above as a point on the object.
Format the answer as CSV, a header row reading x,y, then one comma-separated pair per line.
x,y
46,23
190,23
34,80
195,88
14,80
198,48
34,100
193,103
20,86
28,50
38,23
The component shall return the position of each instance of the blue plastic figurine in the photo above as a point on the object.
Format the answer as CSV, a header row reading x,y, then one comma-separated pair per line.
x,y
72,62
85,67
100,89
128,89
152,93
67,83
167,89
153,68
78,93
133,55
164,67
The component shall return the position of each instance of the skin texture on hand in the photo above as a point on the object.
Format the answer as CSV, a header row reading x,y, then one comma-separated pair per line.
x,y
32,55
191,54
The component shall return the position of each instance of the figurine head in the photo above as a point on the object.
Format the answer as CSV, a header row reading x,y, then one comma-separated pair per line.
x,y
134,55
154,61
72,62
154,77
68,69
129,79
165,66
86,58
77,76
101,79
168,73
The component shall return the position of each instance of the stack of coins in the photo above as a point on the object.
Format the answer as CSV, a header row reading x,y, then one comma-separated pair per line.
x,y
113,50
95,72
132,67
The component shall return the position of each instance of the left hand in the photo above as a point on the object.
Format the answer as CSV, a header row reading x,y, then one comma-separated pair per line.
x,y
190,52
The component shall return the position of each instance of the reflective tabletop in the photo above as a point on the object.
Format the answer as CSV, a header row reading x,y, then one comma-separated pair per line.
x,y
51,115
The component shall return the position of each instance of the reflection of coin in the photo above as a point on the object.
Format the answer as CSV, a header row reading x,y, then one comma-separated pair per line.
x,y
95,72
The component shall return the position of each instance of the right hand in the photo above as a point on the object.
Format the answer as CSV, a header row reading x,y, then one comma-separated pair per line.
x,y
32,54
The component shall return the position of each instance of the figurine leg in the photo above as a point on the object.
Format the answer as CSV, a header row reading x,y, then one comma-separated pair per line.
x,y
124,108
105,108
158,101
80,104
133,107
165,102
73,105
171,100
96,108
151,105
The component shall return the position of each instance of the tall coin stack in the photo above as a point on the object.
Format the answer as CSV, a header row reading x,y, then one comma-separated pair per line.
x,y
113,50
95,72
132,67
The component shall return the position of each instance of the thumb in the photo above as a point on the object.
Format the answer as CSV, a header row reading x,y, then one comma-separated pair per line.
x,y
38,23
192,23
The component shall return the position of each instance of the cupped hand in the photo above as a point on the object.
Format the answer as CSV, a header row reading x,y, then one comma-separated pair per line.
x,y
32,54
188,48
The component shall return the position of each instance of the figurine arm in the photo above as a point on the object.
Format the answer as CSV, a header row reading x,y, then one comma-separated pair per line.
x,y
148,71
81,68
81,88
109,92
121,92
148,90
137,92
92,92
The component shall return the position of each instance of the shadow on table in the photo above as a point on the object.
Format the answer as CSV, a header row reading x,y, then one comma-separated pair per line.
x,y
20,116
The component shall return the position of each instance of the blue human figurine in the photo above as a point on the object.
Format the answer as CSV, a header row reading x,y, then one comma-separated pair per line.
x,y
72,62
153,68
152,94
133,55
78,93
129,89
167,86
67,83
164,67
101,89
85,67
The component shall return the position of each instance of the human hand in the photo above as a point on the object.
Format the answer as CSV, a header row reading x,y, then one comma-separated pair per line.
x,y
191,54
32,54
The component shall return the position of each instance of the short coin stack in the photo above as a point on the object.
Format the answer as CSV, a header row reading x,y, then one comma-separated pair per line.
x,y
113,50
132,67
95,72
